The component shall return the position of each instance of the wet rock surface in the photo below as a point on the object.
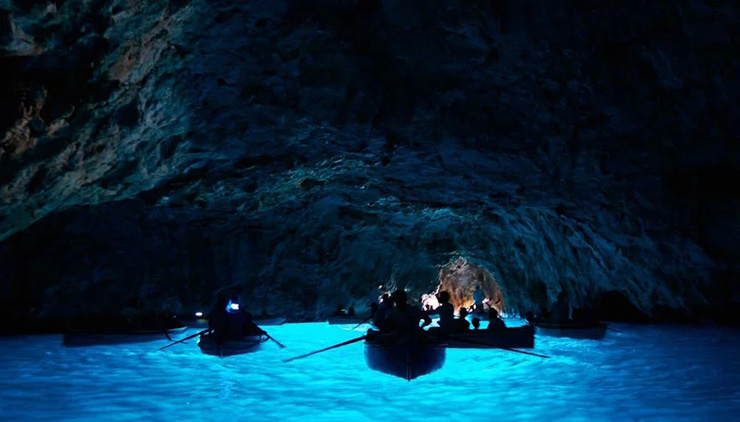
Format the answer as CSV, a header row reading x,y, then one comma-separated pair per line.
x,y
310,150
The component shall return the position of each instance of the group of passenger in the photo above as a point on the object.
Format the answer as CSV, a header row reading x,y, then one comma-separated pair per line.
x,y
394,313
228,320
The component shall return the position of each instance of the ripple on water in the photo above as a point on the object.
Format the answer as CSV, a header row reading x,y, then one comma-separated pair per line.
x,y
645,372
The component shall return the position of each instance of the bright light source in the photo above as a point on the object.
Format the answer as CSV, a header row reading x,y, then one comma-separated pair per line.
x,y
199,314
232,306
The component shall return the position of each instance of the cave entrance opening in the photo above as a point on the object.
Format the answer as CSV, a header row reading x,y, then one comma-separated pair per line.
x,y
459,278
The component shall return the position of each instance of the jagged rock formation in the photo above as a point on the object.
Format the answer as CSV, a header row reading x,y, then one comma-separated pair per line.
x,y
311,149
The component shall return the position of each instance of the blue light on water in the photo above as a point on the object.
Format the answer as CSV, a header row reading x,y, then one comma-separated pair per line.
x,y
642,373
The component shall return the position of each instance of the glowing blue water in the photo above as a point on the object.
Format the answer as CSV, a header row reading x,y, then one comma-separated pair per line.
x,y
643,373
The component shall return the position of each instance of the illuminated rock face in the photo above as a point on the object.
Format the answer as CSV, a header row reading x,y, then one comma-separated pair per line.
x,y
312,149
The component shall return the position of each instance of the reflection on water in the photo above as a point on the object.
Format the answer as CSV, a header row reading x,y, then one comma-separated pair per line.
x,y
642,373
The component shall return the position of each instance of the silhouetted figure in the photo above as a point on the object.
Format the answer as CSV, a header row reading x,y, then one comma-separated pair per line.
x,y
478,296
249,328
351,311
404,317
373,309
476,323
379,320
461,324
446,312
560,310
339,311
529,317
494,321
219,320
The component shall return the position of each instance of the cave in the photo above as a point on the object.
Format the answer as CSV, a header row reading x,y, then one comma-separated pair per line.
x,y
283,158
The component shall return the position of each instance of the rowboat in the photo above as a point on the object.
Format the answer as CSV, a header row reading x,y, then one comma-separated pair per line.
x,y
517,337
246,344
578,330
91,338
405,356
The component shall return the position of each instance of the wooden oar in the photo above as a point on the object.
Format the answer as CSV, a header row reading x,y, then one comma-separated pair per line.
x,y
277,342
185,339
366,320
499,347
327,348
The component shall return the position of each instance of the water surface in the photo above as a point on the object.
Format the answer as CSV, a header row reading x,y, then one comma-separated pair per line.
x,y
641,373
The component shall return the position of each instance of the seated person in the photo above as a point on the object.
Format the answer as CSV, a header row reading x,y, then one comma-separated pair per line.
x,y
461,324
380,316
476,323
446,312
404,317
494,321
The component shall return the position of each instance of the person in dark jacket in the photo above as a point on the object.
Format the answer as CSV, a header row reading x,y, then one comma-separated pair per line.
x,y
446,312
404,317
494,320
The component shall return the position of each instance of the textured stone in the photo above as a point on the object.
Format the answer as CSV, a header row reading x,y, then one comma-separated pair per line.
x,y
309,150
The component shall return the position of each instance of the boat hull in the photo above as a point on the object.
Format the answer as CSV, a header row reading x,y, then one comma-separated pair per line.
x,y
584,331
517,337
404,358
247,344
93,338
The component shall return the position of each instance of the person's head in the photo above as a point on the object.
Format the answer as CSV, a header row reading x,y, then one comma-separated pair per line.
x,y
385,298
399,297
476,323
443,296
463,312
477,287
492,313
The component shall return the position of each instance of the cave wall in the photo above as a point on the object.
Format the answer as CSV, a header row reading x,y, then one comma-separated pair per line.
x,y
577,145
